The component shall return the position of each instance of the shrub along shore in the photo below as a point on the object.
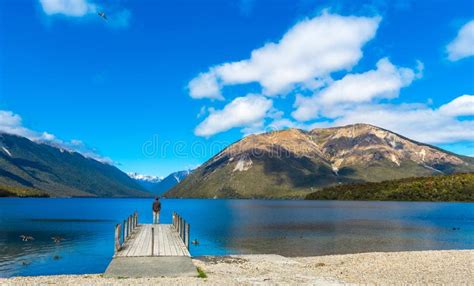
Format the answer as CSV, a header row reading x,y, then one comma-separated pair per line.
x,y
443,188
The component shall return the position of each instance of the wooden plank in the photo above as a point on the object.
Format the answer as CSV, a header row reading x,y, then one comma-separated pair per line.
x,y
130,246
156,250
162,242
173,242
181,247
146,250
152,240
138,242
166,241
142,242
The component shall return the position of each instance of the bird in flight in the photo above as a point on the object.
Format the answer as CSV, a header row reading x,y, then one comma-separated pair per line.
x,y
102,14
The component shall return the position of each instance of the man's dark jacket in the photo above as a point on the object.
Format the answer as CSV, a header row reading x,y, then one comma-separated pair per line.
x,y
156,206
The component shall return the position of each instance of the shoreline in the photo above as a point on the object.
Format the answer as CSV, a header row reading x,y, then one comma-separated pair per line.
x,y
242,199
453,267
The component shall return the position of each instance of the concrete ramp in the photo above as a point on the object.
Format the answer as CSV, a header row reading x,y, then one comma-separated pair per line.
x,y
135,267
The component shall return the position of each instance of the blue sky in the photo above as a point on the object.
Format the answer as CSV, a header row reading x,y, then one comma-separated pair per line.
x,y
163,85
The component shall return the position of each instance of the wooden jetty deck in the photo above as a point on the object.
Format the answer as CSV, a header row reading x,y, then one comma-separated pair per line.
x,y
151,250
165,242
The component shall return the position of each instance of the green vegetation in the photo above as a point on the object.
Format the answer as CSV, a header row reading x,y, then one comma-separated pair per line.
x,y
8,191
456,187
201,273
60,173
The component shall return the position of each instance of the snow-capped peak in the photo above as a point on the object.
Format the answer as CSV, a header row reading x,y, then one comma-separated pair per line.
x,y
147,178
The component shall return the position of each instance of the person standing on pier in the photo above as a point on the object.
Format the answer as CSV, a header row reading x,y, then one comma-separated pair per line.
x,y
156,210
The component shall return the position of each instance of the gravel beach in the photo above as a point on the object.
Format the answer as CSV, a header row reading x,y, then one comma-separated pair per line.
x,y
454,267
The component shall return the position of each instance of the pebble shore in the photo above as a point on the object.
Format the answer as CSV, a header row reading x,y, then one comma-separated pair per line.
x,y
451,267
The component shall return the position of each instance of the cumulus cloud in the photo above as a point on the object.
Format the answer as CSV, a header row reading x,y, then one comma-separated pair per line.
x,y
117,17
383,82
73,8
243,112
416,121
12,123
463,45
461,106
309,51
205,86
304,60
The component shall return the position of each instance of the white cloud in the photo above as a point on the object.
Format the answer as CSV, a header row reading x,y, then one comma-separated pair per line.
x,y
463,45
205,86
461,106
415,121
243,112
303,60
117,17
73,8
11,123
383,82
312,49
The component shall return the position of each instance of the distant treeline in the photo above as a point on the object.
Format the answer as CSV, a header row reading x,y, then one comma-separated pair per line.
x,y
9,191
456,187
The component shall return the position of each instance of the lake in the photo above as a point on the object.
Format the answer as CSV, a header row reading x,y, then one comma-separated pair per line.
x,y
286,227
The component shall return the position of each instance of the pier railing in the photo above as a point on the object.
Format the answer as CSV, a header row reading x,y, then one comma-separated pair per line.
x,y
182,227
124,230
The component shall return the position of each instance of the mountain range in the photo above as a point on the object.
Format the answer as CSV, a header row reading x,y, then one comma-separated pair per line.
x,y
292,163
39,168
158,186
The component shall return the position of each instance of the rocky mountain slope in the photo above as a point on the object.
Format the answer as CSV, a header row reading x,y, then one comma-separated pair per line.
x,y
293,162
25,164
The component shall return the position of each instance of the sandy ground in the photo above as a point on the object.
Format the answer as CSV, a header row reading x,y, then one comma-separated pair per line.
x,y
394,268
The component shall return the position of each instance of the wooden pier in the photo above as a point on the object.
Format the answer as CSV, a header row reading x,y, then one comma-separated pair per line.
x,y
150,250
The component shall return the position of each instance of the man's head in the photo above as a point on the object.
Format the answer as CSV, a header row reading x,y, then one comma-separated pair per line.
x,y
157,198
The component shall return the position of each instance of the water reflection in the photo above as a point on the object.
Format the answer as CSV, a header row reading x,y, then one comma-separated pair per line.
x,y
292,228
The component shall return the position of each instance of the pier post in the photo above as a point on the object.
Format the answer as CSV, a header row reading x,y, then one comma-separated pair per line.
x,y
177,222
187,236
117,245
152,240
124,230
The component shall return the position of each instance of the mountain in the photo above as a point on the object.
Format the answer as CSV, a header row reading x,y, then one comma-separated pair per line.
x,y
158,186
443,188
292,163
146,181
56,172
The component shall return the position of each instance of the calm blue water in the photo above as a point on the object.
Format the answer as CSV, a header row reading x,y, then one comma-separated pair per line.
x,y
292,228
